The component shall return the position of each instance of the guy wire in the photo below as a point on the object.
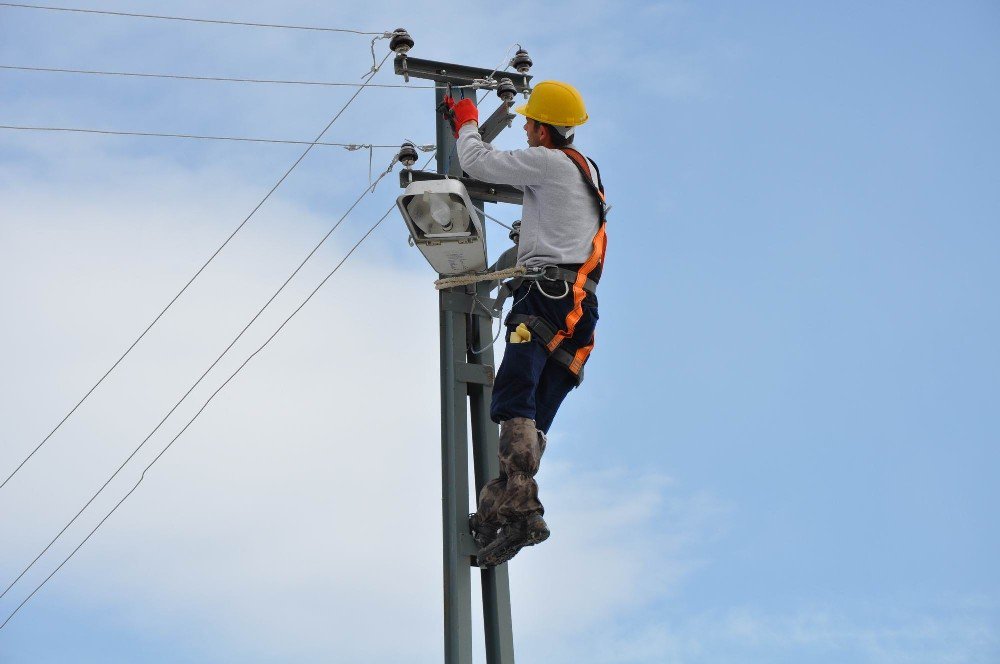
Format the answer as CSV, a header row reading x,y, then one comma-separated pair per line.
x,y
209,400
196,383
192,279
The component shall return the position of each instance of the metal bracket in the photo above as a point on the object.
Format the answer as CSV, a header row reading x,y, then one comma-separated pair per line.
x,y
446,72
478,190
467,545
479,374
500,120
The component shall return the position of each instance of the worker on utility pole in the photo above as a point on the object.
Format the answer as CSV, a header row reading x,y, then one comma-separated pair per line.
x,y
553,316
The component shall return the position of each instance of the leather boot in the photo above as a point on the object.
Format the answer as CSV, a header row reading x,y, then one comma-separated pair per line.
x,y
512,538
510,502
514,494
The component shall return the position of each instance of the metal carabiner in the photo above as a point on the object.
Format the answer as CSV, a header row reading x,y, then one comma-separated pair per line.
x,y
545,275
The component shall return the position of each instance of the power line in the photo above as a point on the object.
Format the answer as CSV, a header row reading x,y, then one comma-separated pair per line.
x,y
185,77
505,59
110,132
190,20
367,190
191,280
476,84
205,405
164,450
492,218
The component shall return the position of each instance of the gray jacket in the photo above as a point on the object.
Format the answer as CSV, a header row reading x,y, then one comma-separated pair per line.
x,y
559,219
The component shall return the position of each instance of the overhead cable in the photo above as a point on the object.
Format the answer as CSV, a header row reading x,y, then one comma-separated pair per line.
x,y
209,400
110,132
506,58
226,79
191,280
477,83
204,405
281,288
190,20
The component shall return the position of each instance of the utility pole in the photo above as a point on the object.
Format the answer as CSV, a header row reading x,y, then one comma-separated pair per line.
x,y
466,379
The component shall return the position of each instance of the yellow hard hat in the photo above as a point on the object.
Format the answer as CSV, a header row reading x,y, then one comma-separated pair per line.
x,y
555,103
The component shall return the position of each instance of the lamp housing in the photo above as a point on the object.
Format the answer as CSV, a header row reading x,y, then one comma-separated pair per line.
x,y
444,225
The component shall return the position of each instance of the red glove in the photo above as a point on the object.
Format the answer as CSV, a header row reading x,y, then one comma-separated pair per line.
x,y
464,111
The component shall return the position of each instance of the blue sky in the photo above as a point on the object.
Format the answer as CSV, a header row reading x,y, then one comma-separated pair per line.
x,y
786,447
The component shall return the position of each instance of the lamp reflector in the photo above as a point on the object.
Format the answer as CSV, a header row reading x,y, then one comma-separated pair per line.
x,y
444,225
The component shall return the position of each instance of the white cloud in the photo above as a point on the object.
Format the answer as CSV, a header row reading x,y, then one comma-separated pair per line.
x,y
300,514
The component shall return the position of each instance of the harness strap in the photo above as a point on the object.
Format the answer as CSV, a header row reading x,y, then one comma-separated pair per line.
x,y
562,274
550,273
594,265
582,164
544,332
582,281
506,289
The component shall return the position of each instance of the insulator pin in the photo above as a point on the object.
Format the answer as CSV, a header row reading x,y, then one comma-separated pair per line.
x,y
521,62
506,90
401,41
407,154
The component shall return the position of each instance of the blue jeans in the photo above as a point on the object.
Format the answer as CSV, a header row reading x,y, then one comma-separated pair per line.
x,y
529,383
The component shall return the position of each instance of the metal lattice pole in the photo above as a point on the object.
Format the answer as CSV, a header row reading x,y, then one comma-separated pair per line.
x,y
466,391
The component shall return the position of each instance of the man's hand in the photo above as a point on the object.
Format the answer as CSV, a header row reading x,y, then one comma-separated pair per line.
x,y
463,111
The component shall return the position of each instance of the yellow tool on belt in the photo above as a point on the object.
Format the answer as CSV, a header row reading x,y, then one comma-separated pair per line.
x,y
520,335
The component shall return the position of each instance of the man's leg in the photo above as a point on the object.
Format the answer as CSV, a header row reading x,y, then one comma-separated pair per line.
x,y
513,404
517,504
556,381
517,380
554,384
514,496
521,449
512,500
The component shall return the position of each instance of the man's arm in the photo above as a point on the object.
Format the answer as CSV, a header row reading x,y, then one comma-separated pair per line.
x,y
516,167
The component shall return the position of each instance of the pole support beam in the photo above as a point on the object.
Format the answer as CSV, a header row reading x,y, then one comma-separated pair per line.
x,y
467,385
484,191
449,73
501,118
466,392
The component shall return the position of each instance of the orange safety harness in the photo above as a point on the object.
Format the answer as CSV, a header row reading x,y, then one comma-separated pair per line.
x,y
581,282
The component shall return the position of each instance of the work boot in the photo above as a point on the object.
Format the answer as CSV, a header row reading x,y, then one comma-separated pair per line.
x,y
482,532
521,449
512,538
513,496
